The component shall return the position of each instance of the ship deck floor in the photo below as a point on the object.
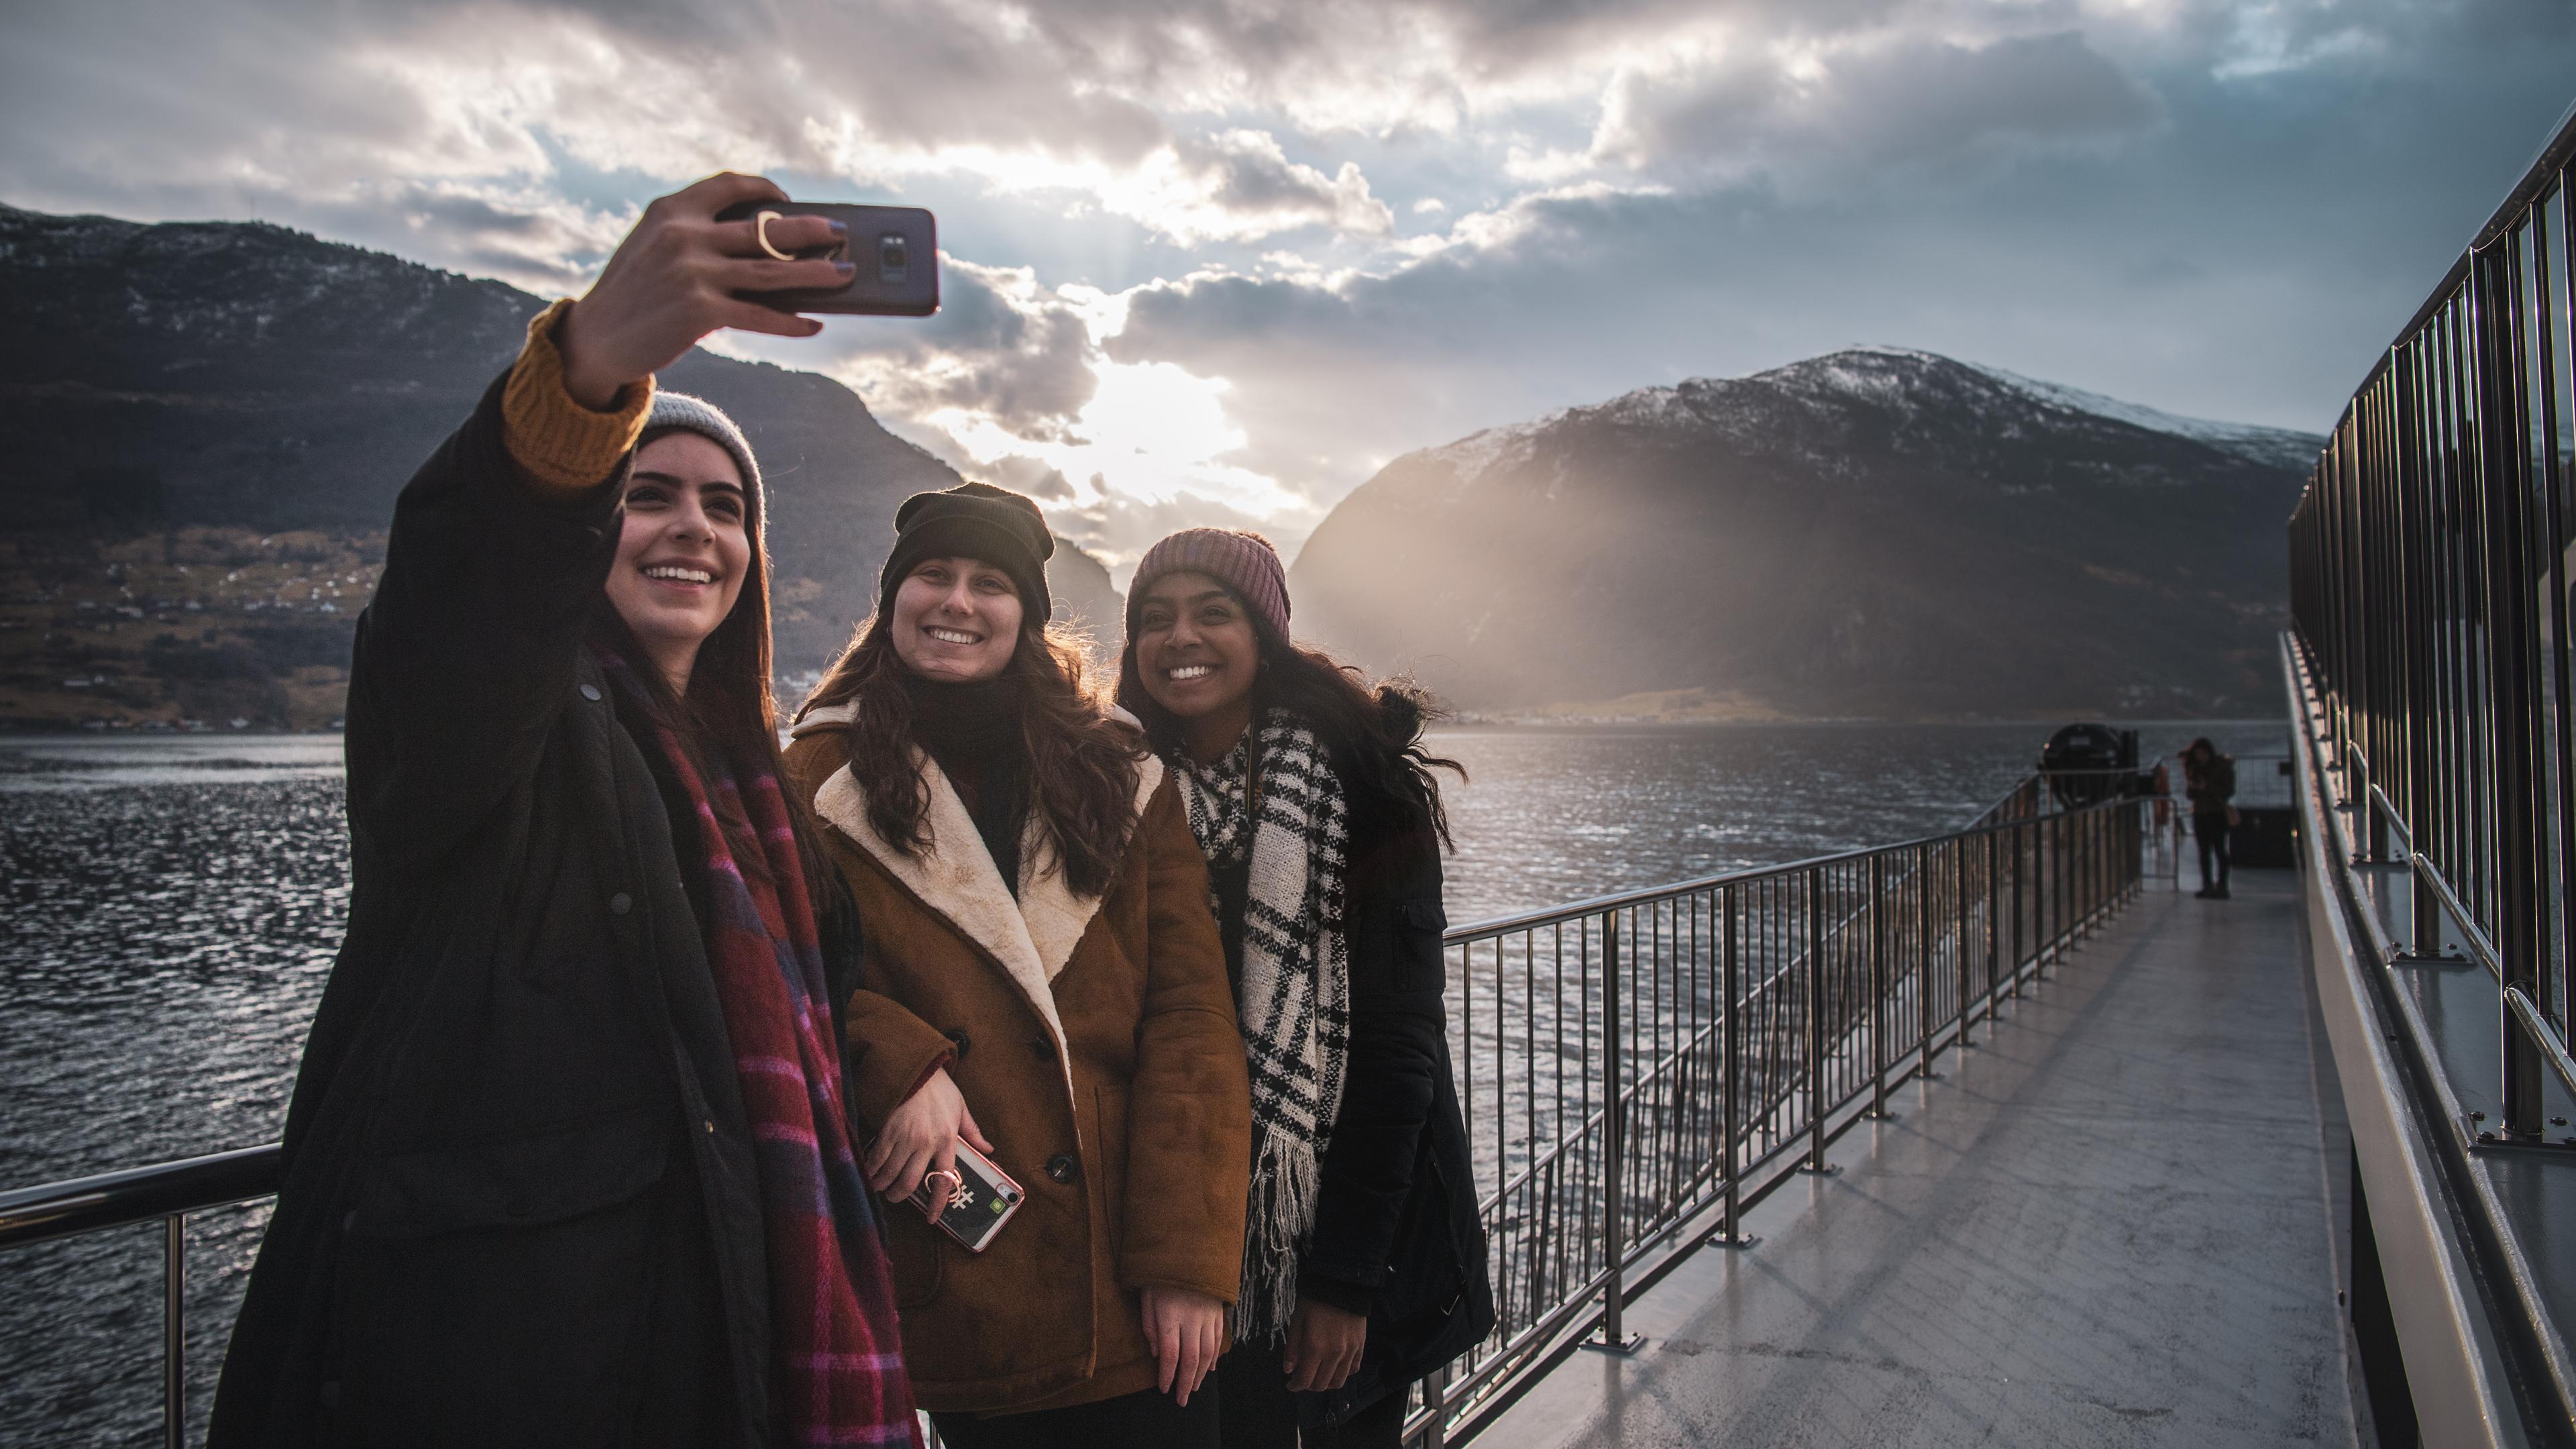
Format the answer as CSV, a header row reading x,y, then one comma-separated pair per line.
x,y
2112,1224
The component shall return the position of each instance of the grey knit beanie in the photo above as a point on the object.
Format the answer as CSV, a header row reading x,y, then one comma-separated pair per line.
x,y
1242,561
680,410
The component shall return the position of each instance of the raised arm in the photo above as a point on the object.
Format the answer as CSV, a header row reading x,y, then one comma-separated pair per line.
x,y
501,542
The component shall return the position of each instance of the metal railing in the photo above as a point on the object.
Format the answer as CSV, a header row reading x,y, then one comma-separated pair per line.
x,y
2430,577
169,1191
1637,1071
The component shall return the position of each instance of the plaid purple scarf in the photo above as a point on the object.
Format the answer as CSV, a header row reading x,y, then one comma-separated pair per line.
x,y
836,1357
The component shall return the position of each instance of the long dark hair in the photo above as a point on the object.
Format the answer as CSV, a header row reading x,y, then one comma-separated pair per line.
x,y
1082,760
1374,730
730,711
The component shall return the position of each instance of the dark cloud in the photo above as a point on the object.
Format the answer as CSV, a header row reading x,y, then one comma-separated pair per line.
x,y
1037,479
998,346
1247,179
1905,101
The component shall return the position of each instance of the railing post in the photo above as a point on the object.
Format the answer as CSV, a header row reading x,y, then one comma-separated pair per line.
x,y
174,1330
1994,922
2052,869
2020,907
1435,1399
1877,986
1730,1228
1814,878
2503,490
1959,943
1923,953
1614,1337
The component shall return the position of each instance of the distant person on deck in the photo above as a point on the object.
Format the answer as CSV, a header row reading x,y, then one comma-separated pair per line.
x,y
568,1159
1314,799
2209,778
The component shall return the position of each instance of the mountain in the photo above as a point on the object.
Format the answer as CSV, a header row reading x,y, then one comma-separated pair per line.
x,y
1876,532
221,386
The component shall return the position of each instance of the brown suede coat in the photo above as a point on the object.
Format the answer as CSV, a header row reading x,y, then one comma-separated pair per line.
x,y
1096,1035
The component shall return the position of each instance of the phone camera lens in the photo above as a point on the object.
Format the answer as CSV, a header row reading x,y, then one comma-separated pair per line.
x,y
893,259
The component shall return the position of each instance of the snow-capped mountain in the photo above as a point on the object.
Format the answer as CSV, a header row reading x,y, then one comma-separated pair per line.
x,y
1877,531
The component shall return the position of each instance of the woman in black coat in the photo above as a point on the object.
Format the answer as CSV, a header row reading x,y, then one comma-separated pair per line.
x,y
541,1179
1364,1265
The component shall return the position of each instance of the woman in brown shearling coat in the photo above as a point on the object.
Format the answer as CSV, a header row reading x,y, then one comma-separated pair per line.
x,y
1043,979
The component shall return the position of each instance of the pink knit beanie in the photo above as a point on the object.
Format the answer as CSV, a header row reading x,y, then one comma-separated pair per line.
x,y
1243,562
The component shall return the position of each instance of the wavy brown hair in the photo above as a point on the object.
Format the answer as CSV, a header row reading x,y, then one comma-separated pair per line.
x,y
1082,760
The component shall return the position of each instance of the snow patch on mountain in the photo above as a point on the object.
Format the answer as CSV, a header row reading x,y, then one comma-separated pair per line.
x,y
1472,456
2274,447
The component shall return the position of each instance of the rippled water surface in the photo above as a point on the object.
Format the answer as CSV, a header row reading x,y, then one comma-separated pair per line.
x,y
173,904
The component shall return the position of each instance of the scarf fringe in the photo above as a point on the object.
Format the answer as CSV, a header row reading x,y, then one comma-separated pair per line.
x,y
1287,1182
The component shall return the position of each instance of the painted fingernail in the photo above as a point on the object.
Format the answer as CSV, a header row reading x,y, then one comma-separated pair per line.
x,y
840,228
845,268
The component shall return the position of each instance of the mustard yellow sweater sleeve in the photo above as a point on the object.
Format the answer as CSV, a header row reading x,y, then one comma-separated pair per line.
x,y
558,442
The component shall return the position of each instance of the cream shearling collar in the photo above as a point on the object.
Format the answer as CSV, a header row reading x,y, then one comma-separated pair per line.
x,y
1031,938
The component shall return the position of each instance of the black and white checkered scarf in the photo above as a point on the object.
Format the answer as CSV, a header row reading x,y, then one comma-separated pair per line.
x,y
1294,999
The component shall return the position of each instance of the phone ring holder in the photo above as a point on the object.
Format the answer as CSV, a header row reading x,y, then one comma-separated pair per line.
x,y
760,229
954,1181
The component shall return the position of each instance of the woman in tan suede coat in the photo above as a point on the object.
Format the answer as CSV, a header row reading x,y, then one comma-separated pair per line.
x,y
1042,979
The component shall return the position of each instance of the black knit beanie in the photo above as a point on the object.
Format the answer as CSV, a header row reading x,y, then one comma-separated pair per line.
x,y
977,521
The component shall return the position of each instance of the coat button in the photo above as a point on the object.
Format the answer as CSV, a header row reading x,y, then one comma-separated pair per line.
x,y
620,903
1061,1167
590,692
957,1038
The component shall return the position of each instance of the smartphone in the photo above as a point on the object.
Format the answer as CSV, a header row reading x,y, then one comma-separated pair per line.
x,y
974,1210
895,250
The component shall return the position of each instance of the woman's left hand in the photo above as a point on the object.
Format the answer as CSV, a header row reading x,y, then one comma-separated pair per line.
x,y
1324,1346
1187,1331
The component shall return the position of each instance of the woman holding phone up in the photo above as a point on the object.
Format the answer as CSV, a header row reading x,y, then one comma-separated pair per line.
x,y
1043,983
568,1160
1314,799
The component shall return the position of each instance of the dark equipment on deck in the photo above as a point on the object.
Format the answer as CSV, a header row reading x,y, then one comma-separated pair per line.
x,y
2267,825
2089,763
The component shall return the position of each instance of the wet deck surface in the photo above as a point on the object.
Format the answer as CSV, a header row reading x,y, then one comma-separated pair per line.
x,y
2111,1226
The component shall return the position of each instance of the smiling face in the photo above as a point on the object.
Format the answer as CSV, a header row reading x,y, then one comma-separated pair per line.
x,y
685,549
956,620
1196,653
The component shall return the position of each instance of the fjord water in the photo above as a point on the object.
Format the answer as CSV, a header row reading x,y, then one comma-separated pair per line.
x,y
173,906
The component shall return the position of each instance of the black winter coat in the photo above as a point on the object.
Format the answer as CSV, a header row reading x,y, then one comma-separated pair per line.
x,y
2211,786
1397,1235
519,1205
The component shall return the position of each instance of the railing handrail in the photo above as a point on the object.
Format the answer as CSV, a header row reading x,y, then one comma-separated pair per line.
x,y
1745,875
138,1194
194,1184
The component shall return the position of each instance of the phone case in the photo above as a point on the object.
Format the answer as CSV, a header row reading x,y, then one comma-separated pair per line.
x,y
974,1210
895,249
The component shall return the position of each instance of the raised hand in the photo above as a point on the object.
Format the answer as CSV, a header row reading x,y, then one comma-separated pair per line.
x,y
676,278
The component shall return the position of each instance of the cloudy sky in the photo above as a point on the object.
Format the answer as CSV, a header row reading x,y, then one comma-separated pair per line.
x,y
1220,260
